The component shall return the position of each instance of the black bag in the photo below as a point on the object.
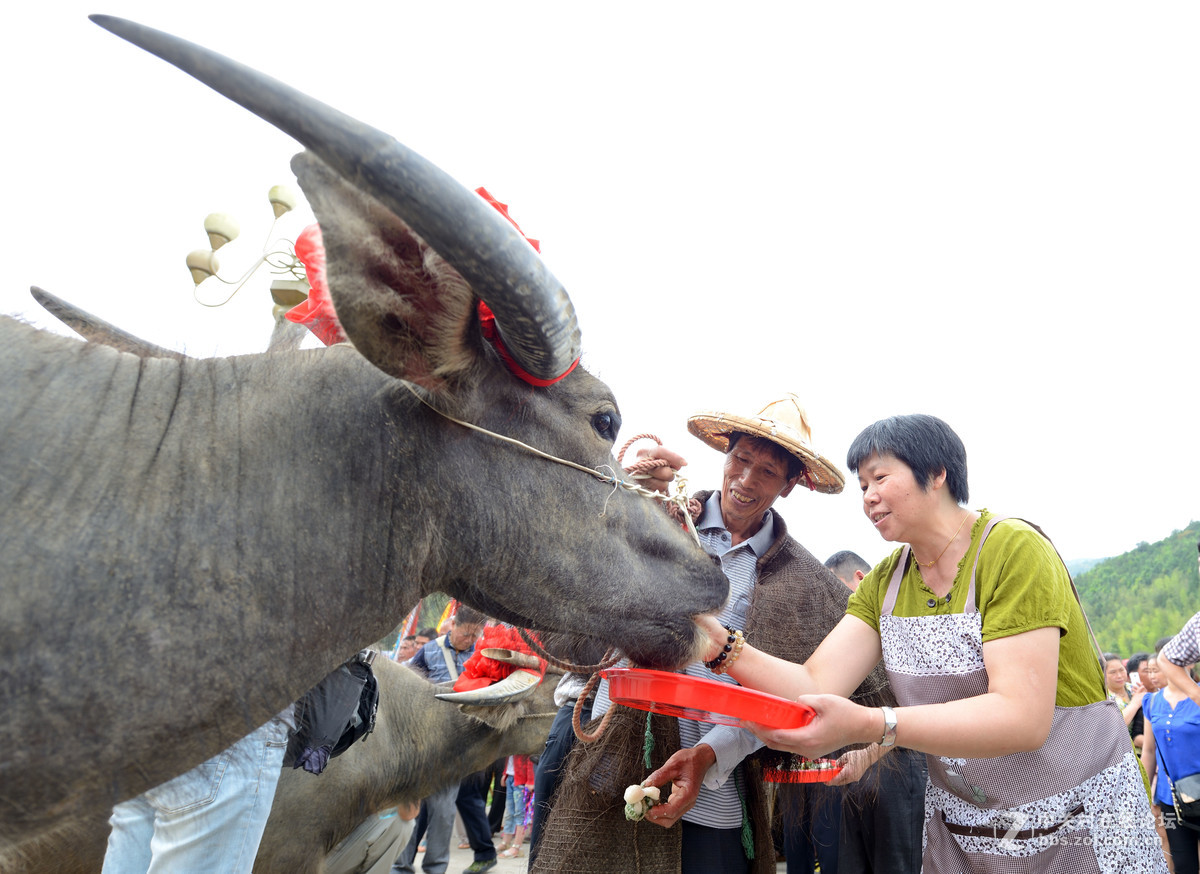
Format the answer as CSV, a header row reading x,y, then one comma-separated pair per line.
x,y
334,714
1185,795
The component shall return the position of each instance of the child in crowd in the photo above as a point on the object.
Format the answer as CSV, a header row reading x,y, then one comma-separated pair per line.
x,y
518,813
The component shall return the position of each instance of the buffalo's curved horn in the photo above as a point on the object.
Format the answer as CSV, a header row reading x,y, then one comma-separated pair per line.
x,y
511,657
97,330
514,687
535,316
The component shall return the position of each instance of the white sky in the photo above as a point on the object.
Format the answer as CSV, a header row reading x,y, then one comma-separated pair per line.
x,y
987,213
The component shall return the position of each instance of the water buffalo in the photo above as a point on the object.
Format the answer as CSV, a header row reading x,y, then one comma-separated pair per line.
x,y
419,745
187,545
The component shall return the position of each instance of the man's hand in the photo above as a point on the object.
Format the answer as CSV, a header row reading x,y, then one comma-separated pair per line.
x,y
855,763
659,478
685,771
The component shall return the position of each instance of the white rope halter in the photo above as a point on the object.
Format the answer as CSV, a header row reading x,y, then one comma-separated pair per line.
x,y
679,498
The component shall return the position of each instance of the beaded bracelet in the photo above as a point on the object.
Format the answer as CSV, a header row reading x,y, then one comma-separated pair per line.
x,y
729,653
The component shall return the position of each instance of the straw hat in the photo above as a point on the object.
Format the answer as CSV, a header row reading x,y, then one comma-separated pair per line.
x,y
782,422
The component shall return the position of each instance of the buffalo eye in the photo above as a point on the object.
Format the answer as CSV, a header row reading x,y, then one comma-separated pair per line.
x,y
606,425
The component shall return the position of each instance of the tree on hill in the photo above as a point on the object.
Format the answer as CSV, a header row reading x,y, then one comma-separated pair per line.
x,y
1149,592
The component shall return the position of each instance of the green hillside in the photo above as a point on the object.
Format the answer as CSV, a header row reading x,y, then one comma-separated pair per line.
x,y
1150,592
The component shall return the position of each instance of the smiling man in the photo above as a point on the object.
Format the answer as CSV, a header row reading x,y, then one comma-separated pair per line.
x,y
781,598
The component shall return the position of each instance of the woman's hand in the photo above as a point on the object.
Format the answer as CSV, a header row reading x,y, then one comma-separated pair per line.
x,y
1135,703
717,635
838,722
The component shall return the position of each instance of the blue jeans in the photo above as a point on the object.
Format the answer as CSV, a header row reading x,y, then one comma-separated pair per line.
x,y
548,773
810,827
511,815
209,819
706,850
883,815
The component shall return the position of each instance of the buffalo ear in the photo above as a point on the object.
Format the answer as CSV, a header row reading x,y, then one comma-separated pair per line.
x,y
403,307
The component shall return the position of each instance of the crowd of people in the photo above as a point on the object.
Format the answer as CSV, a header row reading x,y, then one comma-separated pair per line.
x,y
975,723
490,811
1161,707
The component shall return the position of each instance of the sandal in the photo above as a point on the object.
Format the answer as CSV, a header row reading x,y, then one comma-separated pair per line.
x,y
464,845
503,845
512,853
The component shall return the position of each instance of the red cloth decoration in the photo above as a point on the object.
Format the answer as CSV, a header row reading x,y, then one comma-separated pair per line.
x,y
479,671
487,325
467,684
502,208
316,313
487,321
523,771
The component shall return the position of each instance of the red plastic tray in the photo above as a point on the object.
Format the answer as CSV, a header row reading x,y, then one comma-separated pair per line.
x,y
705,700
805,775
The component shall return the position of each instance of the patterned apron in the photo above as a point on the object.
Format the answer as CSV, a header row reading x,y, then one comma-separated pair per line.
x,y
1077,805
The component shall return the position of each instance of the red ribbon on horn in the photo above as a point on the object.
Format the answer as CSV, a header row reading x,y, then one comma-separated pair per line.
x,y
487,325
487,319
480,671
316,313
502,208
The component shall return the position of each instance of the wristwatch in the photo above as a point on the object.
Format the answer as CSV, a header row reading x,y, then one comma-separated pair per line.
x,y
889,727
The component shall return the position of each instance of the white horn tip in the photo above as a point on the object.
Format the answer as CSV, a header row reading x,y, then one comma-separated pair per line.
x,y
516,685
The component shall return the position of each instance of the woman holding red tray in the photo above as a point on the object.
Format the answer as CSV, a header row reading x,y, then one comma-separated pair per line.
x,y
989,654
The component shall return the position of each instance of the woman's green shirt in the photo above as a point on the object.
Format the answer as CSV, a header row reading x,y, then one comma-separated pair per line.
x,y
1021,585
